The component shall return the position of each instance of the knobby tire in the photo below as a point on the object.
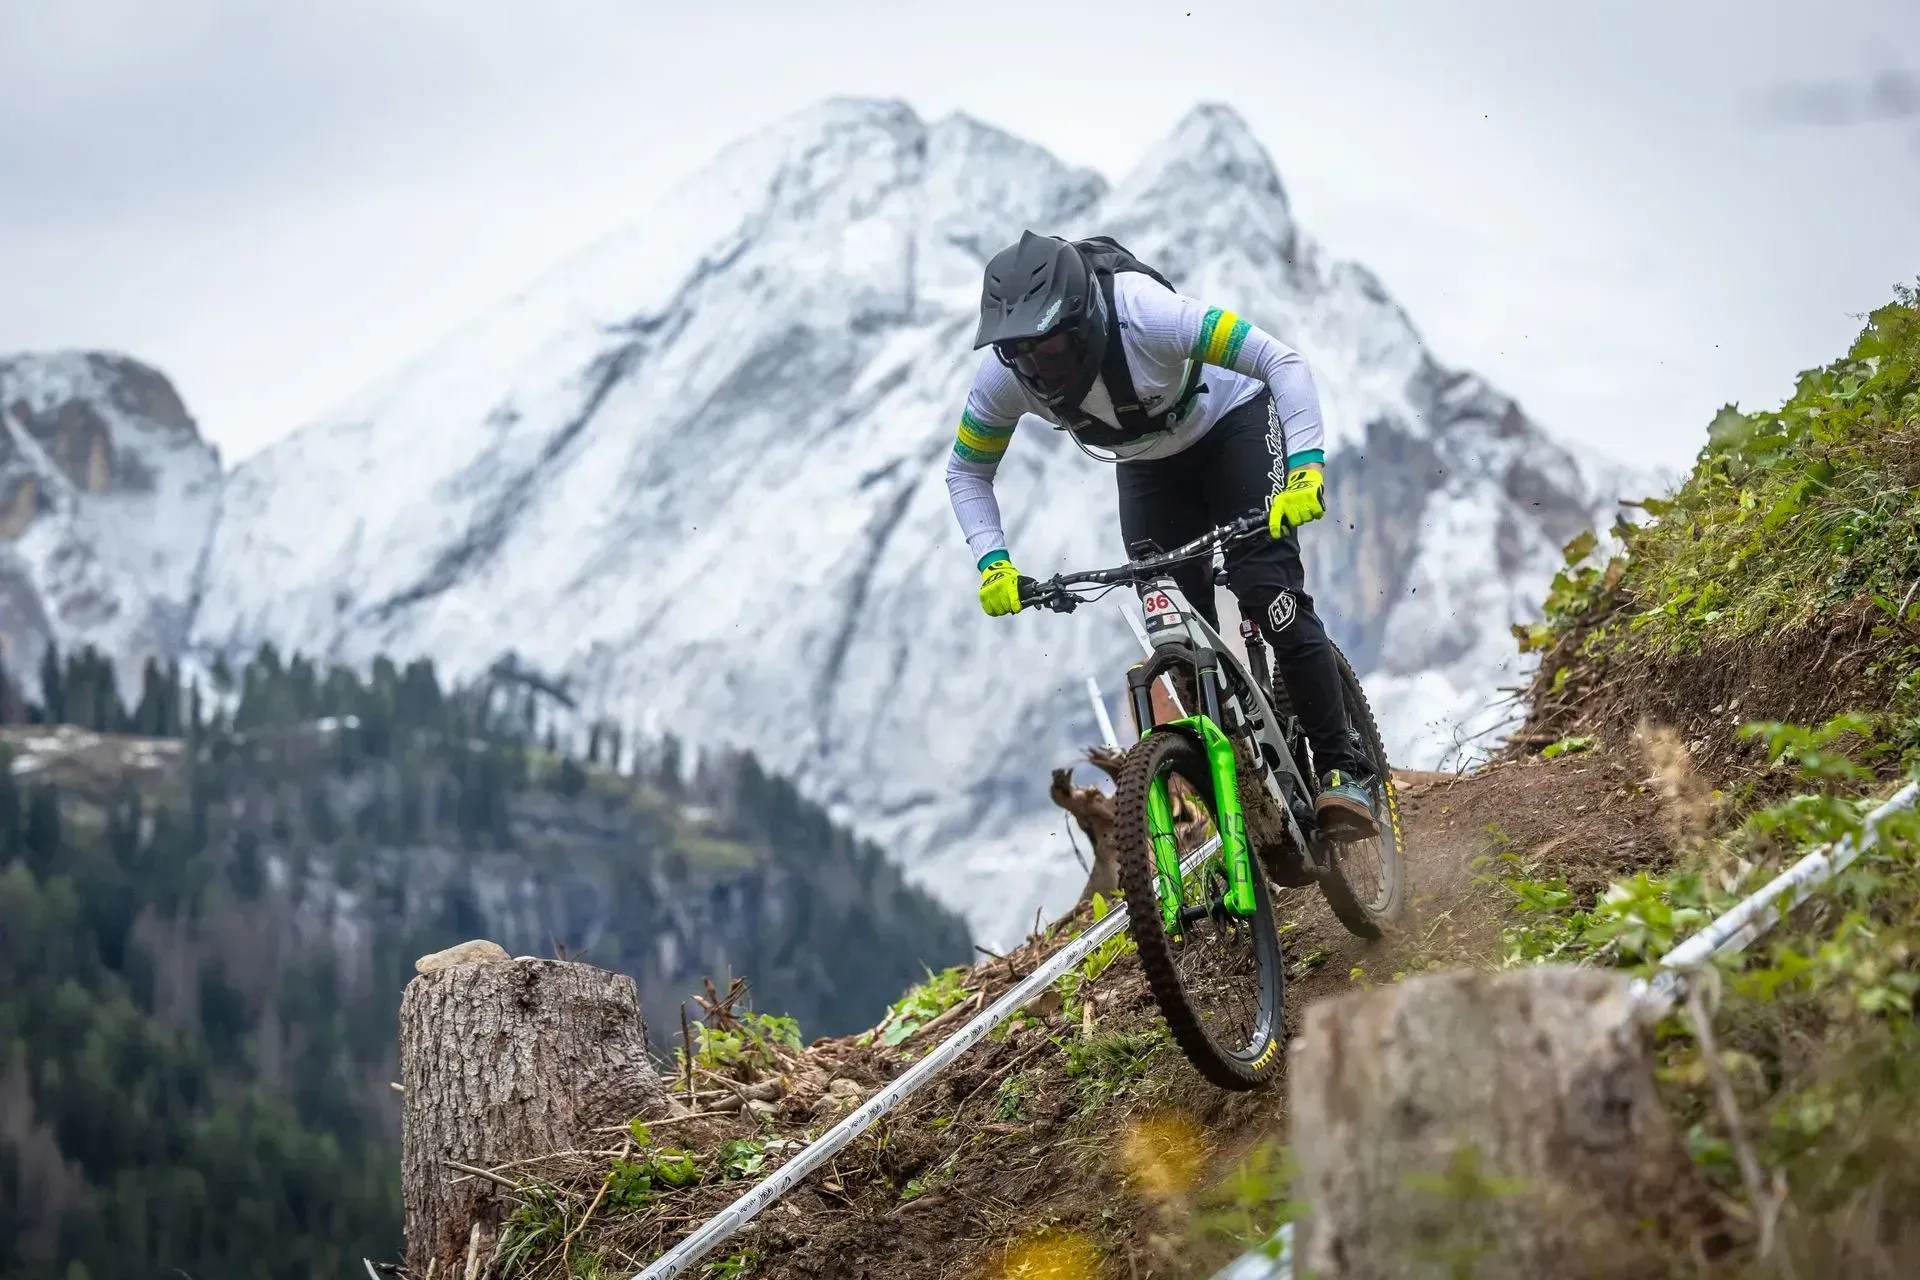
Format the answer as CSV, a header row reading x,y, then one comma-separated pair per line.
x,y
1368,919
1171,754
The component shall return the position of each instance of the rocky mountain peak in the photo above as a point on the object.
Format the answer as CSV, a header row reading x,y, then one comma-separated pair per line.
x,y
107,499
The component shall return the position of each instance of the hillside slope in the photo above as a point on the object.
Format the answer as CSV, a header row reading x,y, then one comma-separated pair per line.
x,y
1079,1144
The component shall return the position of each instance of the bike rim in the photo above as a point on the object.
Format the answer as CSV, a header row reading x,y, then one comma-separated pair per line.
x,y
1217,958
1366,865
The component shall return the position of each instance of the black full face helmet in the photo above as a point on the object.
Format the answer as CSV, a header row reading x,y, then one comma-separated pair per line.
x,y
1041,309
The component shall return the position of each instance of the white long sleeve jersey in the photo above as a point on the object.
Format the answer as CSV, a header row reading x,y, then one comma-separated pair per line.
x,y
1163,334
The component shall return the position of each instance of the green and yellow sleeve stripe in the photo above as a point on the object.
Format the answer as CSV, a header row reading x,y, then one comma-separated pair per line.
x,y
978,442
1221,336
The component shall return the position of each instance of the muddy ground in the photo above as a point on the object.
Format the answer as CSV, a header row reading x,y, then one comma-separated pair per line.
x,y
973,1169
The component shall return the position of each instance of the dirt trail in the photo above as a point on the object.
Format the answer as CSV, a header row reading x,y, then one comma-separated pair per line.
x,y
974,1165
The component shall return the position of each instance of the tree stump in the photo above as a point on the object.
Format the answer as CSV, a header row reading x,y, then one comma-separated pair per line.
x,y
1092,811
501,1060
1502,1123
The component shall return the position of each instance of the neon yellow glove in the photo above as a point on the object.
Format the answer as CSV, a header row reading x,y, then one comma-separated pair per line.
x,y
1298,503
1000,589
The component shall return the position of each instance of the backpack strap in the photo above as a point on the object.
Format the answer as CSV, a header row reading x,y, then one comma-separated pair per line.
x,y
1135,422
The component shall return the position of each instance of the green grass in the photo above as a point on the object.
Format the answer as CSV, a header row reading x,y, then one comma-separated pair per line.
x,y
1788,515
1109,1063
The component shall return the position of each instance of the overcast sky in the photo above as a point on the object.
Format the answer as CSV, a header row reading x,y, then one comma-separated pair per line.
x,y
1625,213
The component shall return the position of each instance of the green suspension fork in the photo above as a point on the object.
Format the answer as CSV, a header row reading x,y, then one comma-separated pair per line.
x,y
1166,855
1227,819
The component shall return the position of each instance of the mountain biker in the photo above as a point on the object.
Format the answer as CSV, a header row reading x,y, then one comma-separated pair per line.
x,y
1208,419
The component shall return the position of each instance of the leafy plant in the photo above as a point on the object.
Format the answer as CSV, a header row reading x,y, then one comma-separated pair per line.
x,y
629,1187
923,1003
731,1267
1010,1100
1566,746
672,1167
742,1157
753,1042
1098,961
930,1180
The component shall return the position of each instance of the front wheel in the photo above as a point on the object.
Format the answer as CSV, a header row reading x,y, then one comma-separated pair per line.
x,y
1367,884
1220,980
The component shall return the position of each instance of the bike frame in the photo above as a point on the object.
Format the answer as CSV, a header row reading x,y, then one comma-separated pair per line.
x,y
1180,637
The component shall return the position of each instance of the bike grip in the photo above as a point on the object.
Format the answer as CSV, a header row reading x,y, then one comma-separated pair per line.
x,y
1027,586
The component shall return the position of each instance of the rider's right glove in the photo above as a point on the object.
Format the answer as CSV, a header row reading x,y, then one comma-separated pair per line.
x,y
1000,588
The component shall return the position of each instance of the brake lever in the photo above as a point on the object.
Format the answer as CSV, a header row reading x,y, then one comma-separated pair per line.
x,y
1041,595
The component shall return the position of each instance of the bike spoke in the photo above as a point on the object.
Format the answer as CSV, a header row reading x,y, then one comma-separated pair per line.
x,y
1362,865
1214,957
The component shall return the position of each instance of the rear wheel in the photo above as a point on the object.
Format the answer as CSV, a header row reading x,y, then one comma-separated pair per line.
x,y
1367,885
1219,980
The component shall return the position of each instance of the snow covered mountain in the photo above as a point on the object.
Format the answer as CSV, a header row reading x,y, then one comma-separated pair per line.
x,y
107,501
698,471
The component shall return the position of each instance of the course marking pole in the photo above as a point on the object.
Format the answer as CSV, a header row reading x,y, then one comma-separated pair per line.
x,y
1100,714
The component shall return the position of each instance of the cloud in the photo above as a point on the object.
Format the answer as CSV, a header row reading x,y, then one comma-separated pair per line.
x,y
1892,95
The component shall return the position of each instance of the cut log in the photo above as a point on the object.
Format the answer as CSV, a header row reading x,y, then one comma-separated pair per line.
x,y
501,1060
1505,1123
1092,811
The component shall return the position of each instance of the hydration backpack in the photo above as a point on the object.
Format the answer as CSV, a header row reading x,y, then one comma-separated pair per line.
x,y
1106,258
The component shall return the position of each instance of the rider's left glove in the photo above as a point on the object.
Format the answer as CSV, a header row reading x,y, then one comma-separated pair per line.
x,y
1000,588
1298,503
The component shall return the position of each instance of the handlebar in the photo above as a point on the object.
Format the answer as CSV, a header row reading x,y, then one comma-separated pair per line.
x,y
1056,593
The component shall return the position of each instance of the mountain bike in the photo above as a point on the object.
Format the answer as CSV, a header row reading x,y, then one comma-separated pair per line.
x,y
1208,940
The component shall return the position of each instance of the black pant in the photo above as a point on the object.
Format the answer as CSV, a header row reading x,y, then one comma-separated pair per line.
x,y
1232,471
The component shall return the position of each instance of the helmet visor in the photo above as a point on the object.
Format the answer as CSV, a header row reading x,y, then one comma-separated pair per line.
x,y
1050,360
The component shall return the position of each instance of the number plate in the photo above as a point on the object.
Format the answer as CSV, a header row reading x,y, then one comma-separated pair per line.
x,y
1161,611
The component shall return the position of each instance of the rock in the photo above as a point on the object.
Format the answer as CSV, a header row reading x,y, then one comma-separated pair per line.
x,y
844,1088
479,951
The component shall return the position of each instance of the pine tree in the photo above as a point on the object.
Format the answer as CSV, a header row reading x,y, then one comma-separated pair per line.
x,y
53,690
10,832
194,726
150,717
669,775
170,704
41,839
12,710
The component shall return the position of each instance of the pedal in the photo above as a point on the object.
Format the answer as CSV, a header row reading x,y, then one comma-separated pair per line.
x,y
1290,872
